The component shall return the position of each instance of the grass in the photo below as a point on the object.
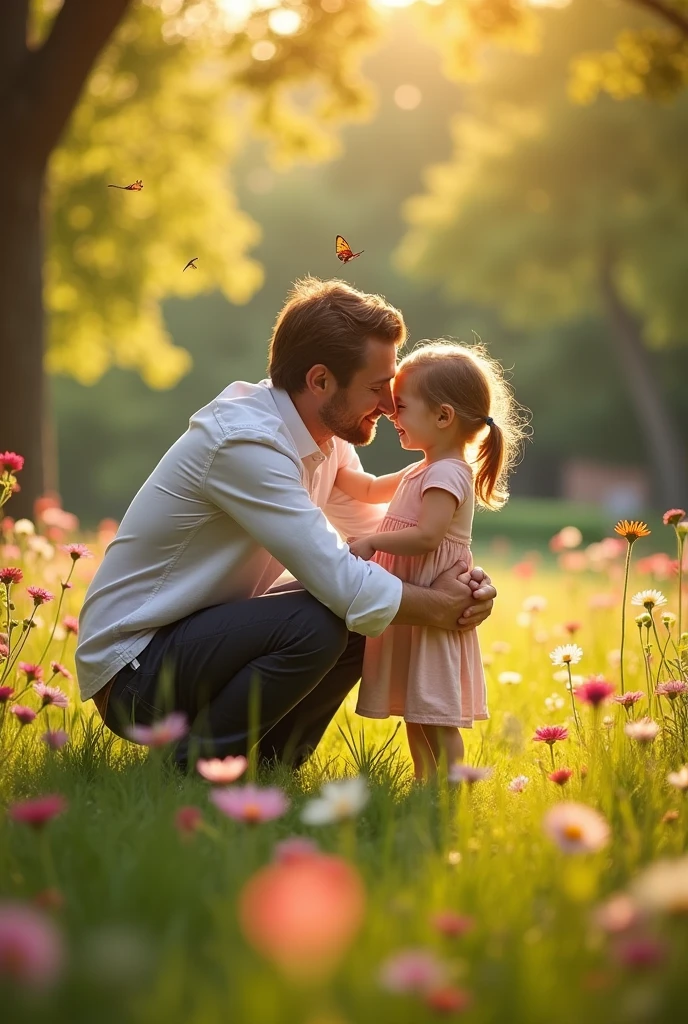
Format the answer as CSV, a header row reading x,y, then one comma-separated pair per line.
x,y
149,918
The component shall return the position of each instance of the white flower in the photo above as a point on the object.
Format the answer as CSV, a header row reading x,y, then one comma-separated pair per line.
x,y
663,886
554,703
501,647
40,546
576,828
344,798
518,784
649,599
509,678
468,773
644,730
562,676
24,528
570,537
535,603
567,654
523,619
679,779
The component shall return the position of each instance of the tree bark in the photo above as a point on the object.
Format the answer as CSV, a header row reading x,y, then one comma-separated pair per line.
x,y
38,92
665,448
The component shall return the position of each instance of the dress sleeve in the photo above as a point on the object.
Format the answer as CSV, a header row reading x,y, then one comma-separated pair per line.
x,y
449,475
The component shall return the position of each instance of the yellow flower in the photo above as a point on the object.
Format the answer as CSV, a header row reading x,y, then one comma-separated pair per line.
x,y
632,529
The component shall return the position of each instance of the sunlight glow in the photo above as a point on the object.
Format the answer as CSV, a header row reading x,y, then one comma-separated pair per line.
x,y
284,22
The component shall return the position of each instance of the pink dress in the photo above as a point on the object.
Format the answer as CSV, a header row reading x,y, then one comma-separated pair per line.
x,y
431,676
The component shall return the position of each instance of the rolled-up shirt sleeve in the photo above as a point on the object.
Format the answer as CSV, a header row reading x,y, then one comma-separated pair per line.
x,y
261,489
351,517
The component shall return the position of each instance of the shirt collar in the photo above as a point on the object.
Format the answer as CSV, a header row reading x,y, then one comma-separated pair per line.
x,y
305,445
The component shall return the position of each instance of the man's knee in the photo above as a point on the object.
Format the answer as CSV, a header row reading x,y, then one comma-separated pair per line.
x,y
326,632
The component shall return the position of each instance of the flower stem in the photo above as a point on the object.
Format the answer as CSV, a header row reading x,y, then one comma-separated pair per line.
x,y
623,612
63,588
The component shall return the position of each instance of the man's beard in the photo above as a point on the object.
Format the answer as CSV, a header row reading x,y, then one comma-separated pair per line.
x,y
333,415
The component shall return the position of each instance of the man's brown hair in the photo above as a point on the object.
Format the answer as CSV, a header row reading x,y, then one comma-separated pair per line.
x,y
328,322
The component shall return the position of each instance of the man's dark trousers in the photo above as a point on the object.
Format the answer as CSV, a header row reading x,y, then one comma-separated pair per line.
x,y
282,658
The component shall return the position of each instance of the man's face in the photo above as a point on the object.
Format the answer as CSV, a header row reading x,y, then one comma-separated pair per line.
x,y
352,412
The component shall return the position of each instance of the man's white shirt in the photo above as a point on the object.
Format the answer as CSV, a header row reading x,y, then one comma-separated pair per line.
x,y
244,494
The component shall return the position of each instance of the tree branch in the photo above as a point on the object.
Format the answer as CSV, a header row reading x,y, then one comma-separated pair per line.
x,y
13,49
663,9
52,78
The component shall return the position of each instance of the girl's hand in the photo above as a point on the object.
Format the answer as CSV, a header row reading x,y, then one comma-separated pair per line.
x,y
362,548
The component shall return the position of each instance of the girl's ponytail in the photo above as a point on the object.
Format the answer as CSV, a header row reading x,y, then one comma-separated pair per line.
x,y
490,463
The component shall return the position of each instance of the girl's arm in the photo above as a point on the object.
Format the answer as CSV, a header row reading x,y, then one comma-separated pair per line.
x,y
369,488
436,513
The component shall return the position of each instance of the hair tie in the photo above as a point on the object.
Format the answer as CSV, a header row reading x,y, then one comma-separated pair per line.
x,y
489,421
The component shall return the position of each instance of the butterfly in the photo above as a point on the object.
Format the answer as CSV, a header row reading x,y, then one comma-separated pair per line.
x,y
192,264
135,186
343,250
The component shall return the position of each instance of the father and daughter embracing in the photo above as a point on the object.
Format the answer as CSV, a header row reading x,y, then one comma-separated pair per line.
x,y
185,612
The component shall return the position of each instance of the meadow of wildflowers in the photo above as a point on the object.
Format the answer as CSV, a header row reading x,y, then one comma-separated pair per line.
x,y
546,879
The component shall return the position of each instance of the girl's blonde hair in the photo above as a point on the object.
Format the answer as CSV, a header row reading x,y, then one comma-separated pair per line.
x,y
473,384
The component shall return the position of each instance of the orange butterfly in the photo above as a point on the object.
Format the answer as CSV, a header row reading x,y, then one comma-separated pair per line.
x,y
135,186
343,250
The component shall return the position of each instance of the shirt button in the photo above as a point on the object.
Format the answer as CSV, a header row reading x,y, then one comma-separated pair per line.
x,y
318,458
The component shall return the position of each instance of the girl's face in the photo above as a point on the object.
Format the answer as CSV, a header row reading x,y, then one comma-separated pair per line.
x,y
414,421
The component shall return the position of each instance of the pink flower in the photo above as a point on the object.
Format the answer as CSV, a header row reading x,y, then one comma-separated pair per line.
x,y
40,595
24,714
188,820
640,952
159,734
32,671
468,773
4,650
55,738
550,734
518,784
576,828
71,624
251,804
673,516
671,689
222,771
627,700
51,695
413,970
617,914
561,776
6,693
302,915
644,730
10,462
572,627
10,575
295,848
594,691
448,999
31,949
77,551
39,811
448,923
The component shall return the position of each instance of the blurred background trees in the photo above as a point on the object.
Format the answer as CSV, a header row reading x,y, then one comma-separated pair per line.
x,y
261,128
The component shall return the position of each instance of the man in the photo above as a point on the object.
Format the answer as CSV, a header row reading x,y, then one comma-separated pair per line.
x,y
246,492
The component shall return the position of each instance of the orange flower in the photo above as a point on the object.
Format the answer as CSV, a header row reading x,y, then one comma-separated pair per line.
x,y
632,529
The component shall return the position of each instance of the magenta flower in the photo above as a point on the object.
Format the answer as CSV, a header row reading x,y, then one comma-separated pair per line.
x,y
10,575
31,949
560,776
6,693
77,551
627,700
10,462
55,738
38,812
222,772
24,714
51,695
32,671
167,730
71,624
40,595
188,820
671,689
251,804
640,952
413,970
550,734
594,691
59,669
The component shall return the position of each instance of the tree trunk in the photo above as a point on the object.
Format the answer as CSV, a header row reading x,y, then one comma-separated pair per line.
x,y
21,329
665,449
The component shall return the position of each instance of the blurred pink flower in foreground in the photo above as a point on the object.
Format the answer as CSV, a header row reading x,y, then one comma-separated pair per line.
x,y
39,811
31,671
679,779
159,734
413,970
222,771
576,828
644,730
71,624
295,848
663,886
594,691
550,734
302,915
448,999
617,914
31,948
627,700
250,803
55,738
188,820
51,695
24,714
451,924
6,693
469,773
639,951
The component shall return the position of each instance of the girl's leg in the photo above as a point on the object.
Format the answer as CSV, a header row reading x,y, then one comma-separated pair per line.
x,y
450,743
424,763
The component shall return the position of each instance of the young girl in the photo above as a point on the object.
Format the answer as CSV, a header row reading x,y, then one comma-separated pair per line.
x,y
448,399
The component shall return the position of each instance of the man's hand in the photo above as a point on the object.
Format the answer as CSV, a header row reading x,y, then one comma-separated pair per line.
x,y
362,548
471,596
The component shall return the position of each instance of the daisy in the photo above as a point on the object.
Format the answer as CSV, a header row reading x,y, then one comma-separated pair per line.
x,y
566,654
649,599
509,678
663,886
576,828
344,798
